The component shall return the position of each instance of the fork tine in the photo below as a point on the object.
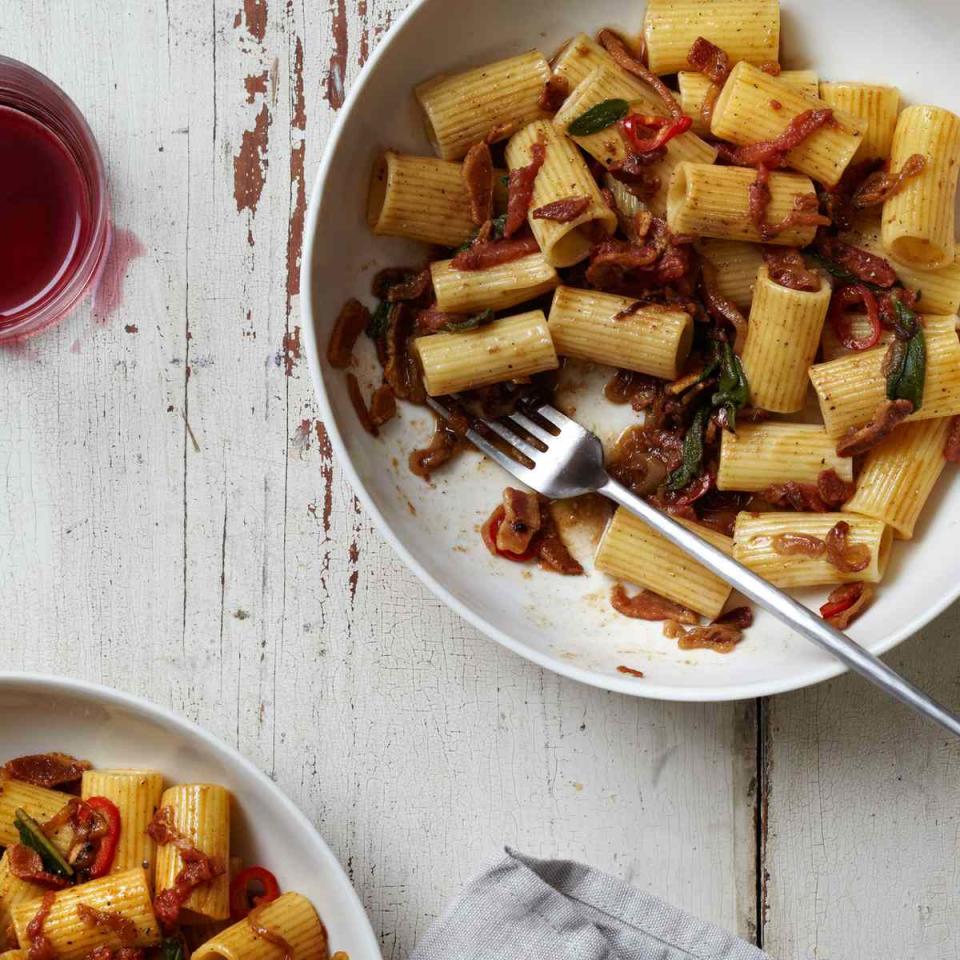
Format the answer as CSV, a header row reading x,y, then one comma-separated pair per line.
x,y
485,446
503,429
553,415
532,427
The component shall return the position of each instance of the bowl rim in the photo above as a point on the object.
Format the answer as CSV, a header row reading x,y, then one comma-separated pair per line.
x,y
649,689
168,720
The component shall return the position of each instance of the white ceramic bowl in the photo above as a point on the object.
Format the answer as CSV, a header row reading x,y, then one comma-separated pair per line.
x,y
40,713
566,624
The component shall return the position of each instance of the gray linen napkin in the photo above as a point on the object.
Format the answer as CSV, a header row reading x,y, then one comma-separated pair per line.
x,y
527,909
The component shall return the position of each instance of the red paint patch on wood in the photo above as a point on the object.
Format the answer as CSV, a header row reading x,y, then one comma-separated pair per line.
x,y
131,328
250,163
337,69
108,296
354,577
299,119
364,33
255,14
326,472
297,218
303,435
291,350
257,83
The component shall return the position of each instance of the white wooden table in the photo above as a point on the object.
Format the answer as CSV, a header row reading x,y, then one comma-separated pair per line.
x,y
171,523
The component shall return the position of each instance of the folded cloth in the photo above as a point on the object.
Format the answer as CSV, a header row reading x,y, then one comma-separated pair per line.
x,y
527,909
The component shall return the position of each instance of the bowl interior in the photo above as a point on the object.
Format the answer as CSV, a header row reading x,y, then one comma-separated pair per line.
x,y
111,729
567,623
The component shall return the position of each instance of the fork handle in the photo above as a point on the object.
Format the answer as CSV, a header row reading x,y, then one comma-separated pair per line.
x,y
784,607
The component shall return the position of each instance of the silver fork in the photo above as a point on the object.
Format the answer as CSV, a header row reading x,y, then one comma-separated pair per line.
x,y
563,459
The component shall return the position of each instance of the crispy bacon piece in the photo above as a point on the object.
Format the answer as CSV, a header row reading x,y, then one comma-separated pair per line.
x,y
445,443
630,671
562,211
617,49
520,190
829,493
846,557
263,932
360,406
198,869
481,255
48,770
521,520
162,829
787,267
383,405
351,322
720,308
798,544
109,921
613,258
880,186
555,91
400,368
846,603
433,320
709,59
951,447
103,952
864,265
833,489
804,212
25,864
39,945
855,294
552,552
719,637
643,455
413,286
772,153
477,173
388,278
888,415
637,389
739,617
647,605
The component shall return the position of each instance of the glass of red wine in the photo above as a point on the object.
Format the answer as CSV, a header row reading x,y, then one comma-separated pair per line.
x,y
54,205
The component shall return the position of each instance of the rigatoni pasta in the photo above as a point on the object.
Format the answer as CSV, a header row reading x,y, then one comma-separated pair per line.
x,y
899,474
496,288
736,264
755,544
507,349
875,104
42,804
13,892
464,108
782,338
744,29
421,198
564,175
630,550
918,221
850,388
618,331
743,113
760,455
706,200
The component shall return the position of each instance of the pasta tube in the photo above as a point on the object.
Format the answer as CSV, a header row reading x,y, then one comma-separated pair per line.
x,y
918,224
201,814
710,201
39,802
694,87
291,916
495,288
582,55
759,455
608,145
507,349
13,892
421,198
630,550
608,329
859,326
753,545
899,474
744,114
564,174
745,29
736,264
136,794
462,109
782,338
72,937
875,104
851,388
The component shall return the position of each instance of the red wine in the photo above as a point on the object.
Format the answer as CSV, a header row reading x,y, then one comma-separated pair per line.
x,y
44,214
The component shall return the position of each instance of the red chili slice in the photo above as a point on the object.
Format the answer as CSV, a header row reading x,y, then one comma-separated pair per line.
x,y
634,126
843,299
838,606
108,842
493,525
244,887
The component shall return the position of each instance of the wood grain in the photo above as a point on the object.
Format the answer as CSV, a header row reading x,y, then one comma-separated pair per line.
x,y
172,523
